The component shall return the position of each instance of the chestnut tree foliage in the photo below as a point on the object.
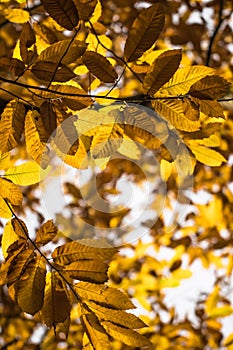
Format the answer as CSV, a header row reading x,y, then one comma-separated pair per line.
x,y
94,64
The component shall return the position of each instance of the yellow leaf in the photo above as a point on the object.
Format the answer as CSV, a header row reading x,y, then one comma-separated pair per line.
x,y
64,12
97,12
172,111
181,274
166,169
87,270
221,311
10,192
21,261
104,295
144,32
16,15
119,317
30,288
206,155
127,336
4,210
183,79
95,332
228,340
25,174
9,237
5,162
164,66
36,138
212,300
11,125
82,249
129,148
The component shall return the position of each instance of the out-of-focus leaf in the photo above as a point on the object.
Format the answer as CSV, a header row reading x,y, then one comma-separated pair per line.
x,y
16,15
163,69
99,66
64,12
144,31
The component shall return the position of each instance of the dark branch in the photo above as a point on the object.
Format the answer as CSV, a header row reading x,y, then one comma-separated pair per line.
x,y
40,252
220,21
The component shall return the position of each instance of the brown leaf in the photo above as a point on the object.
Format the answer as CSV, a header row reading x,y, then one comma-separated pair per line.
x,y
163,69
99,66
49,71
63,12
144,31
27,39
12,65
49,117
46,232
209,88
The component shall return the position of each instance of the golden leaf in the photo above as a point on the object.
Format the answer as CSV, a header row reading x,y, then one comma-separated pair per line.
x,y
50,71
99,66
183,79
46,233
127,336
58,50
95,332
4,209
210,87
77,99
144,32
104,295
85,8
25,174
16,15
64,12
87,270
56,307
18,265
30,288
9,236
10,192
82,249
212,109
36,138
107,140
11,125
206,155
13,65
119,317
164,66
172,111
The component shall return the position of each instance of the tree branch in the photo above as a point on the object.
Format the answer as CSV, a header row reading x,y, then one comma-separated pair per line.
x,y
40,252
220,21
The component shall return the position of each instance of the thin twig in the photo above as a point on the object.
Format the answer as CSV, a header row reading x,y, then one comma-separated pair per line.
x,y
114,54
40,252
220,21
